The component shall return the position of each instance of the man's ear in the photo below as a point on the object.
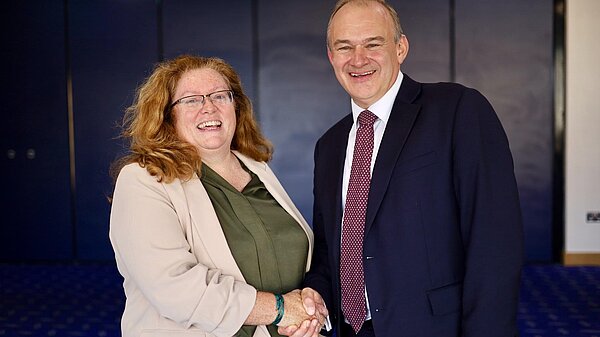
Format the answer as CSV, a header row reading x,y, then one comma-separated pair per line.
x,y
329,55
402,48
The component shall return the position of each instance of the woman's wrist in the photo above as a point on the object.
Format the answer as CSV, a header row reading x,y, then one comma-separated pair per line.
x,y
280,308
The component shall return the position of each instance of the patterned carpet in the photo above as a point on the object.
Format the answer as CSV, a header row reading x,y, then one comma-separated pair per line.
x,y
87,300
60,300
560,301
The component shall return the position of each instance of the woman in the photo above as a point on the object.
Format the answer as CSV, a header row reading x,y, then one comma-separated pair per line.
x,y
204,234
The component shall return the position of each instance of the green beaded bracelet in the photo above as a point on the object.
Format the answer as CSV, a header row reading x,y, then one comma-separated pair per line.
x,y
279,307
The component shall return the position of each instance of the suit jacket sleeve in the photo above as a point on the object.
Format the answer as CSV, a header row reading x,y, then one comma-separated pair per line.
x,y
155,258
490,219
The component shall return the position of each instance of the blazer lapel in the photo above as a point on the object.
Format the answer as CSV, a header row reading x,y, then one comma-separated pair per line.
x,y
275,188
205,219
400,123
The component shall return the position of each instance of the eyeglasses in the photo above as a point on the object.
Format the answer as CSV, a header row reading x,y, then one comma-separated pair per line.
x,y
219,98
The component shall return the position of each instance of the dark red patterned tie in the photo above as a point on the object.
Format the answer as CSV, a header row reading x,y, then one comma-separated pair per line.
x,y
353,227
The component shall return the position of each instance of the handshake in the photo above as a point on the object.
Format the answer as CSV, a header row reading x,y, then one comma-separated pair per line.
x,y
302,313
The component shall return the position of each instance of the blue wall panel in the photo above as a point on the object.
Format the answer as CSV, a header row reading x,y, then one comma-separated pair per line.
x,y
426,24
298,94
113,48
35,198
504,49
221,29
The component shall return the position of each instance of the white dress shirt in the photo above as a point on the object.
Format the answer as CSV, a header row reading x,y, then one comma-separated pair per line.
x,y
382,109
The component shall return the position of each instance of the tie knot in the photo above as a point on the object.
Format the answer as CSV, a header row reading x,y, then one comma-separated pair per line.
x,y
366,118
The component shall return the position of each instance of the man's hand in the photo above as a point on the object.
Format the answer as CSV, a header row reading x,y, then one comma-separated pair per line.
x,y
308,328
314,304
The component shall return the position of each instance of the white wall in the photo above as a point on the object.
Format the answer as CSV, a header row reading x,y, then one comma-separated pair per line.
x,y
582,190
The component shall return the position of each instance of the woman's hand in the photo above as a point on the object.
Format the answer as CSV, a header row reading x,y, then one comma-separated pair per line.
x,y
296,320
315,307
294,312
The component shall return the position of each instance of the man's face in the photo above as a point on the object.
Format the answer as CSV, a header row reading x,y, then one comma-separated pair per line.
x,y
362,51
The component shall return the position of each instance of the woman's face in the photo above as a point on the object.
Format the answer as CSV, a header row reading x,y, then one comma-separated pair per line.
x,y
209,126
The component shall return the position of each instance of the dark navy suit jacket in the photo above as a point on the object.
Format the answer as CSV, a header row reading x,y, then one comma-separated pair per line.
x,y
443,238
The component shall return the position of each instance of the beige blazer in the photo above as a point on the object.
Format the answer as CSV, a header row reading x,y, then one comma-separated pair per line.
x,y
180,278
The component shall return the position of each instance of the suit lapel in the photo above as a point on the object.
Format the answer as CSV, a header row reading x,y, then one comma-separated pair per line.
x,y
335,155
400,123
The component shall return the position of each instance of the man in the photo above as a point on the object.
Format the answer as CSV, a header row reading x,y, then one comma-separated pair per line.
x,y
416,218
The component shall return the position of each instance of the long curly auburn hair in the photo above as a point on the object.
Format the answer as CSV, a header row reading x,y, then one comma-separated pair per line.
x,y
149,123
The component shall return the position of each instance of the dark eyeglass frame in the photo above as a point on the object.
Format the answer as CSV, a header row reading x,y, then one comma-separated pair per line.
x,y
204,97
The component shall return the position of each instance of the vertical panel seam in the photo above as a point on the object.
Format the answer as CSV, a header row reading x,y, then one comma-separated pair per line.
x,y
159,31
255,59
452,40
559,98
71,131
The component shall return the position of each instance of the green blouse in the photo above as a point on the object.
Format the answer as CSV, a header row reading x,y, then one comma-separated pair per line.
x,y
268,245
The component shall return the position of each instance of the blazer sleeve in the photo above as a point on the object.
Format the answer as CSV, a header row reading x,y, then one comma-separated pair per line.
x,y
490,219
155,259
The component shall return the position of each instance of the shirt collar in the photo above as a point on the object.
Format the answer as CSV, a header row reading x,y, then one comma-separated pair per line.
x,y
382,107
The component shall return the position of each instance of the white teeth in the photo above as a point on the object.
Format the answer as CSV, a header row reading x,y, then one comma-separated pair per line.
x,y
208,124
362,74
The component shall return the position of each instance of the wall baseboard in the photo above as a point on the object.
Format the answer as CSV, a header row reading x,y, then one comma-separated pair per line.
x,y
578,259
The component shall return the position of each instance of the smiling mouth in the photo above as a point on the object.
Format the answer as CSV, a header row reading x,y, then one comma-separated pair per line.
x,y
366,73
209,125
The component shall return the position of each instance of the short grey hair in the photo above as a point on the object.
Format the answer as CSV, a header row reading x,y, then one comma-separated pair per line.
x,y
389,9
